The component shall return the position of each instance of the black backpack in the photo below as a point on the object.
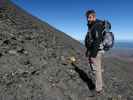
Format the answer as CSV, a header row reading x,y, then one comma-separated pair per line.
x,y
107,37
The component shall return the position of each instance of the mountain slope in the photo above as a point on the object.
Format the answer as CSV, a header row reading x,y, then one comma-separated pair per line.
x,y
35,62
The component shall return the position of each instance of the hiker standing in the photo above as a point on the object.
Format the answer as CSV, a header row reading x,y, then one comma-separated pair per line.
x,y
96,43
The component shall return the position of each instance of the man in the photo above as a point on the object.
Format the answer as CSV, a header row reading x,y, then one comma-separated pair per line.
x,y
93,43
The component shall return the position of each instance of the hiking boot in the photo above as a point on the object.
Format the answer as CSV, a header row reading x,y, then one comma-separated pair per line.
x,y
101,92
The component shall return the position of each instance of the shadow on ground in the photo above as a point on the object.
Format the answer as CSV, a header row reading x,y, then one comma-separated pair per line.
x,y
84,77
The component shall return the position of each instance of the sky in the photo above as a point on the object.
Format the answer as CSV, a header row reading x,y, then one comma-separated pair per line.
x,y
69,15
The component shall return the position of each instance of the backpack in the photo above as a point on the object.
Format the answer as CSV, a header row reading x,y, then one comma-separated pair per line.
x,y
107,37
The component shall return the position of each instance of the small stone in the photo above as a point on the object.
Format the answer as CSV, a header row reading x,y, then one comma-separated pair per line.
x,y
53,84
72,71
20,86
25,52
22,51
12,73
62,58
12,52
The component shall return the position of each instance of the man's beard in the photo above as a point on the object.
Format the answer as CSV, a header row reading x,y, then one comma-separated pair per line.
x,y
91,22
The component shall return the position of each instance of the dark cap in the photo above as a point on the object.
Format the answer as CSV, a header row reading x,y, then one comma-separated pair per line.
x,y
90,12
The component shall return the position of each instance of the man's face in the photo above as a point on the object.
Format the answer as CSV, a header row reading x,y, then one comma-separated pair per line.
x,y
91,18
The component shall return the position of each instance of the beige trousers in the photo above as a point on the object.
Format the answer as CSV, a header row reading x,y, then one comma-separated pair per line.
x,y
98,75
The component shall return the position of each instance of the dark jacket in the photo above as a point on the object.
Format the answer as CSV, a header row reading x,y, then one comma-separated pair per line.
x,y
95,31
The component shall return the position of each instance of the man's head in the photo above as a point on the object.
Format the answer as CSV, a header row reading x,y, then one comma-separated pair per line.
x,y
91,15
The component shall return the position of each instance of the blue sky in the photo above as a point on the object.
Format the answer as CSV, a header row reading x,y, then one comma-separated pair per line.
x,y
69,15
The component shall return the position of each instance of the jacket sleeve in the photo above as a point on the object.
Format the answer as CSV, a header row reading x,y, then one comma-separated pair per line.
x,y
88,40
97,32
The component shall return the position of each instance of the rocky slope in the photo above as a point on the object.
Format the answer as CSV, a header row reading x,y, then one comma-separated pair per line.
x,y
35,63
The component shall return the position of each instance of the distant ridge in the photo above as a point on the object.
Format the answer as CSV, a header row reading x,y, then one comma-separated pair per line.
x,y
120,44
